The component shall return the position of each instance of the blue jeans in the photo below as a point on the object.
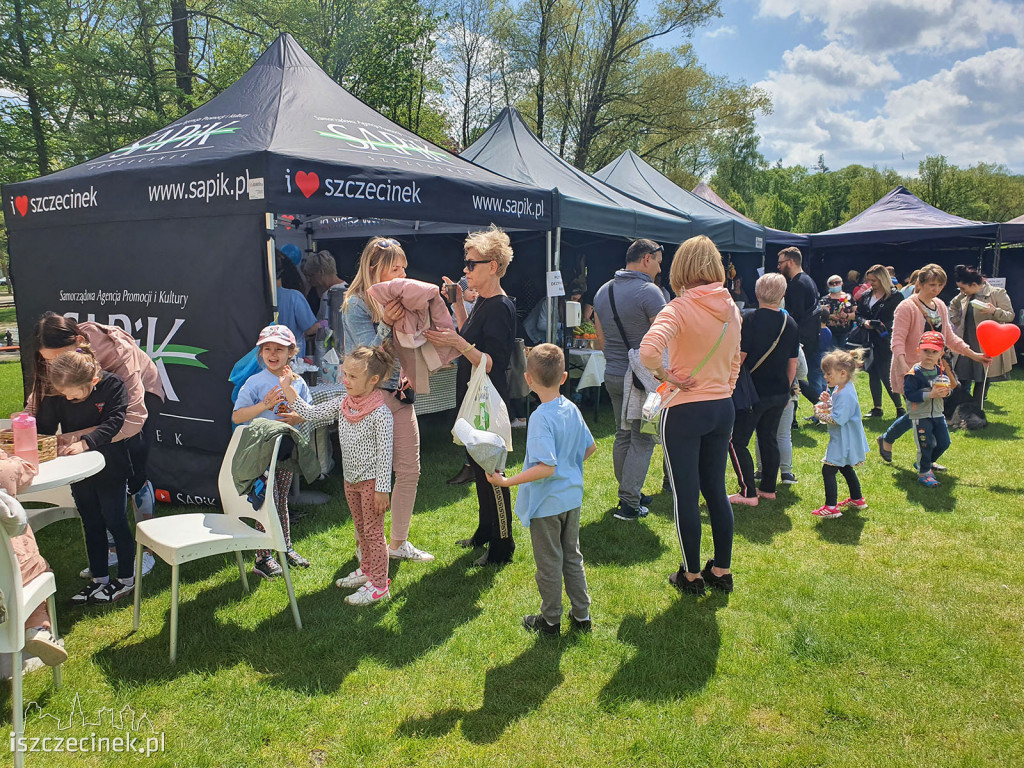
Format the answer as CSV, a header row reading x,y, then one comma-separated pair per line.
x,y
897,429
932,440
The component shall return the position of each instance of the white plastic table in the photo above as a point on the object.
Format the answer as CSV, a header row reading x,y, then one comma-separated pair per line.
x,y
65,470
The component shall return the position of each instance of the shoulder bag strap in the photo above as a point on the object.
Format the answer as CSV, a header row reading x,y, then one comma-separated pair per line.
x,y
615,314
924,312
700,365
772,347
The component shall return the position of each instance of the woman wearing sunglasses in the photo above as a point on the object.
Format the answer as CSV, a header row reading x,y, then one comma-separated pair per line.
x,y
367,322
490,330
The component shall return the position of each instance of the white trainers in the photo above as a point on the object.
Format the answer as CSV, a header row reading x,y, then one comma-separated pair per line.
x,y
355,579
40,642
369,594
408,552
519,424
148,561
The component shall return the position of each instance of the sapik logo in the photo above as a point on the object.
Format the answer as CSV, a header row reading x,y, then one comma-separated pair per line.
x,y
163,352
67,201
179,138
366,137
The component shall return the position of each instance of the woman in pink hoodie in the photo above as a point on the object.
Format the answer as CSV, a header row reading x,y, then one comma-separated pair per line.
x,y
700,331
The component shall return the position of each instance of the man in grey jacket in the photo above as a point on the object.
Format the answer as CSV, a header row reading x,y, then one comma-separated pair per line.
x,y
624,309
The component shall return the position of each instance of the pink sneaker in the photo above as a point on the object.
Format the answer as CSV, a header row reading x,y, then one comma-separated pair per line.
x,y
860,503
827,511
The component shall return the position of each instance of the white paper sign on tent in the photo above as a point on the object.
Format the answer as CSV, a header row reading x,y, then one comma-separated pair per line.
x,y
555,287
996,282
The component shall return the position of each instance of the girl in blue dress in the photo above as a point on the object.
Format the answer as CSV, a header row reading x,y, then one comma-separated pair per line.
x,y
847,443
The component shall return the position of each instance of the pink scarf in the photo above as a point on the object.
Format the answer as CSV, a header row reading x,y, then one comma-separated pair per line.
x,y
355,409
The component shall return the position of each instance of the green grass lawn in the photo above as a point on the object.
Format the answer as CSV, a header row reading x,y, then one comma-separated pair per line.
x,y
886,637
7,315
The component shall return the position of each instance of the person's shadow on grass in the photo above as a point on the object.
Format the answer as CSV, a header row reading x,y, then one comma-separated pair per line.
x,y
764,522
676,652
844,530
619,542
335,638
939,499
511,692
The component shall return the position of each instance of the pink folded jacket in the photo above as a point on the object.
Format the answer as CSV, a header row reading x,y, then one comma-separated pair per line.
x,y
424,311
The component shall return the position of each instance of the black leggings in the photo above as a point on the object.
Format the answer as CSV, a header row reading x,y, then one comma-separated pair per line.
x,y
495,523
829,472
696,441
878,376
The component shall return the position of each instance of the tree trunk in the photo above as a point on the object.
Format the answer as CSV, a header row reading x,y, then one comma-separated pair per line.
x,y
182,48
148,41
31,94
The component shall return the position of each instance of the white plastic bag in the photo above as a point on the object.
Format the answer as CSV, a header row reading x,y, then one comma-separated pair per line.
x,y
483,407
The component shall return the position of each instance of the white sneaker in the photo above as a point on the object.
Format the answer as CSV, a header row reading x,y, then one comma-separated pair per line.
x,y
112,560
355,579
519,424
369,594
408,552
41,642
148,561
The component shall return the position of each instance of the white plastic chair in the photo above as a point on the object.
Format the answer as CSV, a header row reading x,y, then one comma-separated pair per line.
x,y
60,505
21,600
178,539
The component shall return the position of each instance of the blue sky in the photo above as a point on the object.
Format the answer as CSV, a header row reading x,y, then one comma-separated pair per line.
x,y
878,82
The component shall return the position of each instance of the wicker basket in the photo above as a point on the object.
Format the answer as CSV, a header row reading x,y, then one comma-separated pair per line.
x,y
47,444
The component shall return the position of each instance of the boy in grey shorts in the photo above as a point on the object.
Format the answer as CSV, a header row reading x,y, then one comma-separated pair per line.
x,y
549,502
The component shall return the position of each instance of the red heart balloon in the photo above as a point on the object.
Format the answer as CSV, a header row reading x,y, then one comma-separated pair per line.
x,y
995,338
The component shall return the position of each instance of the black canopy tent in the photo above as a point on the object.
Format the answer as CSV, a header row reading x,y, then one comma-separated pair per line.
x,y
905,232
599,215
631,174
171,237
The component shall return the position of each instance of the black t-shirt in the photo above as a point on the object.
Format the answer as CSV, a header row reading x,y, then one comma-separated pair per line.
x,y
492,327
105,409
802,305
759,331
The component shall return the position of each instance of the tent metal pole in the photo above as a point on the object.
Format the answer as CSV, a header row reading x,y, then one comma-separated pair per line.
x,y
548,265
271,265
995,261
553,314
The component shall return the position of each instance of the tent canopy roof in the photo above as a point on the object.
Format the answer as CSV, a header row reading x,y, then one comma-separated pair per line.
x,y
314,149
774,237
900,217
510,148
631,174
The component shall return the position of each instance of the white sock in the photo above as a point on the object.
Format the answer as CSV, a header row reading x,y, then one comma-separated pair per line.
x,y
101,579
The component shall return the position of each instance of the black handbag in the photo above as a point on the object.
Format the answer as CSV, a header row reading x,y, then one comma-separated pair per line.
x,y
744,396
859,337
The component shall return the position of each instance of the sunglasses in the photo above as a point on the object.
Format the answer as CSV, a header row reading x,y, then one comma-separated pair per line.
x,y
834,284
389,242
470,264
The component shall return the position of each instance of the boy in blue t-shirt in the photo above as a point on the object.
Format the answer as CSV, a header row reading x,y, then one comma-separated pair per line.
x,y
557,444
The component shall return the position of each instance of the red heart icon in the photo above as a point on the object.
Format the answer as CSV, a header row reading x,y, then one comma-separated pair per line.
x,y
995,338
308,183
21,203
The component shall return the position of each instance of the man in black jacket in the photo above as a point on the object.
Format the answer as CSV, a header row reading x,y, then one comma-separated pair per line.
x,y
802,305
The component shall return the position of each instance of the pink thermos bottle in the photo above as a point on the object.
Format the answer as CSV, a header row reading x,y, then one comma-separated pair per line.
x,y
25,444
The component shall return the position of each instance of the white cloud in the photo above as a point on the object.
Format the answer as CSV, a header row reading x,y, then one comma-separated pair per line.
x,y
834,65
723,31
969,111
907,25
